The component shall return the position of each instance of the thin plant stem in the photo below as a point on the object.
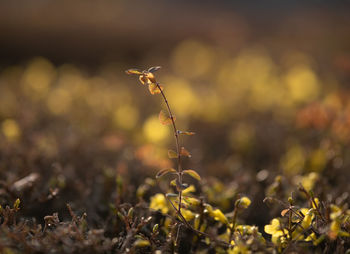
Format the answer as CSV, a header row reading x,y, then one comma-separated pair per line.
x,y
179,172
176,134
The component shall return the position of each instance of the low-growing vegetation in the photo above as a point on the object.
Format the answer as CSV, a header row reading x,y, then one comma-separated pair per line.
x,y
71,182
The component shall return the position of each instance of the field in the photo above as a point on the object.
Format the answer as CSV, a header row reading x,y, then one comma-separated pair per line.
x,y
258,162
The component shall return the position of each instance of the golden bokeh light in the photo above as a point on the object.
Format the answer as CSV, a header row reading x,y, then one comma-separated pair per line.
x,y
126,117
11,129
182,96
293,161
37,78
192,59
302,83
59,101
154,131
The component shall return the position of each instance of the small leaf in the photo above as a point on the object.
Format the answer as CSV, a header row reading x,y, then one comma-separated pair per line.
x,y
155,228
172,154
150,76
244,202
154,69
184,152
171,195
140,243
133,71
131,213
16,204
192,200
192,173
164,172
154,89
284,211
121,216
164,118
173,182
144,80
188,133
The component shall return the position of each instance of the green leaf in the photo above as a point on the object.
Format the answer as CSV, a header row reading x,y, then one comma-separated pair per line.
x,y
172,154
133,71
164,172
164,118
192,173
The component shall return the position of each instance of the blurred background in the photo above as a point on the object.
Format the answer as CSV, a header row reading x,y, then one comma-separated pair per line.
x,y
264,86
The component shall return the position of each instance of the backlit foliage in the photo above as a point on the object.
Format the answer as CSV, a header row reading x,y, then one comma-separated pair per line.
x,y
267,125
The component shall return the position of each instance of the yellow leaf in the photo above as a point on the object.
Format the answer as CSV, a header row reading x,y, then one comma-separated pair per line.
x,y
16,204
218,215
165,171
159,202
133,71
140,243
164,118
192,201
144,80
173,182
189,189
154,89
244,202
187,214
192,173
172,154
150,76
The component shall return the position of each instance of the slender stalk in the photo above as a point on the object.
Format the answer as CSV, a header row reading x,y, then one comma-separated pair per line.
x,y
176,134
179,173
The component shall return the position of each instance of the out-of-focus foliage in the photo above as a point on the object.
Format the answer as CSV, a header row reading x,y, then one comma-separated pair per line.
x,y
266,124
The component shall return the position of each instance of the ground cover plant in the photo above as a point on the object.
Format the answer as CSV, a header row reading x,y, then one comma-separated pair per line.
x,y
86,165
